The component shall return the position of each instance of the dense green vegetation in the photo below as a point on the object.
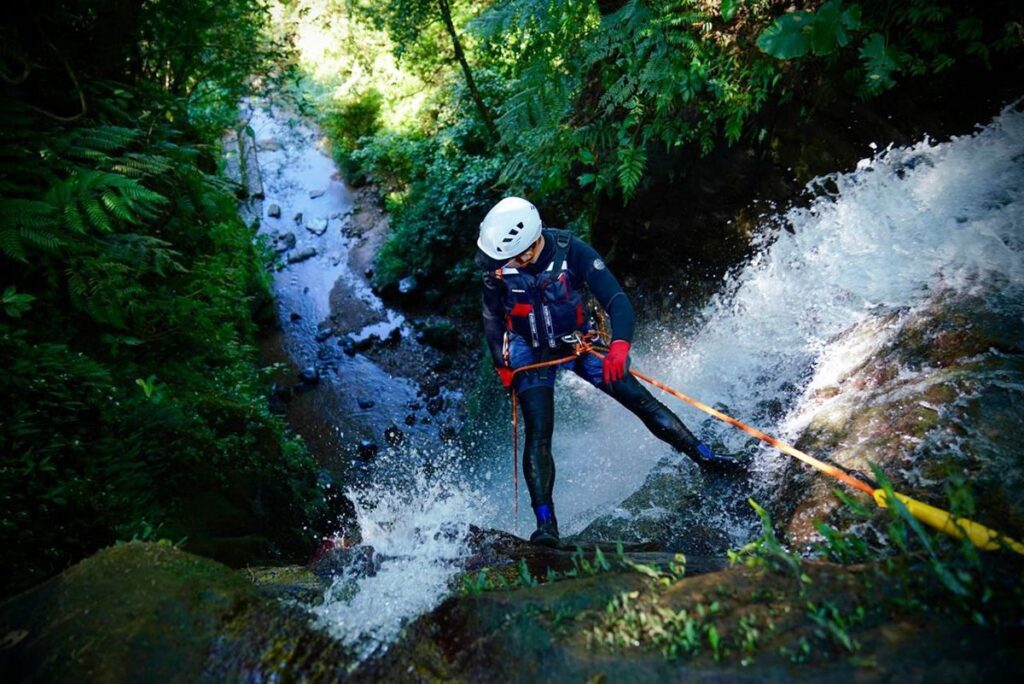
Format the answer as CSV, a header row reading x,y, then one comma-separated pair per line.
x,y
132,405
449,105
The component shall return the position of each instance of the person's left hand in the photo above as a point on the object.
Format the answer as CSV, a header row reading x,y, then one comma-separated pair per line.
x,y
615,361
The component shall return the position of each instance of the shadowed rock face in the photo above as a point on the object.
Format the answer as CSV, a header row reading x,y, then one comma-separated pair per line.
x,y
146,612
573,631
940,397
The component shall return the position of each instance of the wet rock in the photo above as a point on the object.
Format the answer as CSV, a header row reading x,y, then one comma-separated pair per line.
x,y
150,612
440,334
303,255
294,316
394,337
288,582
407,285
317,226
284,242
310,376
367,449
415,405
666,509
366,343
570,630
435,405
352,561
315,194
448,435
366,403
410,419
274,210
394,436
268,145
431,388
280,392
930,403
368,274
348,346
324,335
278,405
443,365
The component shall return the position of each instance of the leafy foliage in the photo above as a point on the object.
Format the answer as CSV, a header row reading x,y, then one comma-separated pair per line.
x,y
908,38
597,101
130,397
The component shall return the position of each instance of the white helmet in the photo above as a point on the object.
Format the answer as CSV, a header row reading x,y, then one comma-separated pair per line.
x,y
509,228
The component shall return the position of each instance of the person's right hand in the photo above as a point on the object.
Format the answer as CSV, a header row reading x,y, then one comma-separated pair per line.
x,y
506,374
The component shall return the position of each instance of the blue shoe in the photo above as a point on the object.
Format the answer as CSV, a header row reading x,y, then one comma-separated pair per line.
x,y
546,533
704,456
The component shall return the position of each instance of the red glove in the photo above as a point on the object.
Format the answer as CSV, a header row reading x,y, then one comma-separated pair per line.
x,y
506,374
615,361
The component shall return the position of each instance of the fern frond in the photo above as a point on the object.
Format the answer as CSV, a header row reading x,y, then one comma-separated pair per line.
x,y
49,242
10,244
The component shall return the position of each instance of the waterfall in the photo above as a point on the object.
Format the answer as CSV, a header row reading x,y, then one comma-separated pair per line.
x,y
906,223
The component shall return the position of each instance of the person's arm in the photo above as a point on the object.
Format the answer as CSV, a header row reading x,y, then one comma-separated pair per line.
x,y
587,264
494,316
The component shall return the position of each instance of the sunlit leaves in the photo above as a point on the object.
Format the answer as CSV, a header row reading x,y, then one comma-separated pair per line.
x,y
880,61
798,33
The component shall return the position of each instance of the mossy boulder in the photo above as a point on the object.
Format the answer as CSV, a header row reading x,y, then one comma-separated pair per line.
x,y
832,623
149,612
938,399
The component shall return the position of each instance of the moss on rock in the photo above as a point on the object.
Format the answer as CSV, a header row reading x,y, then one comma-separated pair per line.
x,y
149,612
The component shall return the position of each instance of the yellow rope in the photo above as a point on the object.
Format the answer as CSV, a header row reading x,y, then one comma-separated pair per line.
x,y
981,536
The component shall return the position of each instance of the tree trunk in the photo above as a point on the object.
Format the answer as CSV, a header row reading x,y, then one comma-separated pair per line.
x,y
446,15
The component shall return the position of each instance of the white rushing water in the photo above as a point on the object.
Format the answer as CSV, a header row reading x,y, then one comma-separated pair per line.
x,y
907,223
904,224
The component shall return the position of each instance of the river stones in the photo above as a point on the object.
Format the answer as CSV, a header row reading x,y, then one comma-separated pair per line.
x,y
274,210
302,255
317,226
284,242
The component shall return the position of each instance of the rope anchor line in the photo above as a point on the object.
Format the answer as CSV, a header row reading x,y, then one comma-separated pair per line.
x,y
981,536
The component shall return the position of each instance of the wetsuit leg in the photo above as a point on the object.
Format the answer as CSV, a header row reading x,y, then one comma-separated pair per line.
x,y
662,423
538,406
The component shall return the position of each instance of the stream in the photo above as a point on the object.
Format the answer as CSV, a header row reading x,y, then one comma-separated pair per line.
x,y
906,224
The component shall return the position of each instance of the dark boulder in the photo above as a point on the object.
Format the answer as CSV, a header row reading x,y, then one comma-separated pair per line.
x,y
367,449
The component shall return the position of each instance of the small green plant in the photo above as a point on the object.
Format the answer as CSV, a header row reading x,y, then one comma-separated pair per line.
x,y
747,637
153,392
833,625
768,549
16,304
634,620
800,654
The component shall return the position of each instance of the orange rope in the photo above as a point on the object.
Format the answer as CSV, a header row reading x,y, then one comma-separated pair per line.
x,y
835,472
980,535
515,454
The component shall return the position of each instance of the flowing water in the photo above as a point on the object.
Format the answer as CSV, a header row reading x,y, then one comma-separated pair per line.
x,y
905,224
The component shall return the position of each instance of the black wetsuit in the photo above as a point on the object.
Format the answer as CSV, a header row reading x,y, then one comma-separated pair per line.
x,y
588,270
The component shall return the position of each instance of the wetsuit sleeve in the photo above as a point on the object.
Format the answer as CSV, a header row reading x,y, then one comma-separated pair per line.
x,y
494,316
587,264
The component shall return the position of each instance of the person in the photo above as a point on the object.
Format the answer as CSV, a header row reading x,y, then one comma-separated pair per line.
x,y
534,278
